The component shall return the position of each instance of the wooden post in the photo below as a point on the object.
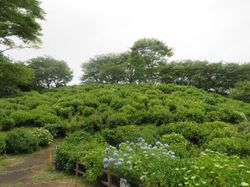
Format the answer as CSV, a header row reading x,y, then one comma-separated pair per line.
x,y
109,180
77,167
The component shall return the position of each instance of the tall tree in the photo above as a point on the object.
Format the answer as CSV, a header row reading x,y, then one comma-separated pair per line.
x,y
146,56
19,20
50,72
108,68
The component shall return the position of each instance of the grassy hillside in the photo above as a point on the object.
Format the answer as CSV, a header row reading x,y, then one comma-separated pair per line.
x,y
184,119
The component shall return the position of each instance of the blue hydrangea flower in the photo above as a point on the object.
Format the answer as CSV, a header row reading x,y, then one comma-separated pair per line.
x,y
125,155
150,146
158,143
105,160
130,150
154,148
166,146
140,139
132,143
144,148
172,157
115,154
119,163
120,159
107,151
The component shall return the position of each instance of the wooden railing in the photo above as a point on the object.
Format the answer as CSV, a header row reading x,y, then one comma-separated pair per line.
x,y
110,176
80,170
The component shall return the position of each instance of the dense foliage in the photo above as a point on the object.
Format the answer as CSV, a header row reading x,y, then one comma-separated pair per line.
x,y
22,140
147,61
19,19
13,76
152,164
187,120
96,106
241,91
50,72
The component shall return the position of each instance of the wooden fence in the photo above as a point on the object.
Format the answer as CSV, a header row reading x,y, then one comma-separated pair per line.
x,y
112,179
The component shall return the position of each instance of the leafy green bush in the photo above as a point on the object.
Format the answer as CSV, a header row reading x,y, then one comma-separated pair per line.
x,y
22,118
216,169
231,146
129,133
86,111
57,129
43,135
180,145
21,141
193,132
7,123
116,120
93,123
65,112
141,162
174,139
160,115
86,148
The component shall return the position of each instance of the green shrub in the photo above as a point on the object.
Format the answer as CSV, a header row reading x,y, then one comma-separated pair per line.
x,y
7,123
22,118
65,112
244,127
160,115
21,141
189,114
43,135
174,139
193,132
231,146
106,99
86,111
130,133
91,102
216,169
86,148
116,120
116,103
57,129
93,123
43,118
179,145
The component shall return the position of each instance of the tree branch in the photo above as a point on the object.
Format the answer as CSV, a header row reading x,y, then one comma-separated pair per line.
x,y
14,47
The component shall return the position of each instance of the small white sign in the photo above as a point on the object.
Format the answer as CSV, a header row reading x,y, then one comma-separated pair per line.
x,y
123,182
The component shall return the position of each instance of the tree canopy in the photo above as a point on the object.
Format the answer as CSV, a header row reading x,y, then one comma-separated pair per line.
x,y
19,20
241,91
50,72
13,76
147,61
137,65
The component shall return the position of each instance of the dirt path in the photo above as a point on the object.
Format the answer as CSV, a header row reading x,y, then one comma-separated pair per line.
x,y
22,171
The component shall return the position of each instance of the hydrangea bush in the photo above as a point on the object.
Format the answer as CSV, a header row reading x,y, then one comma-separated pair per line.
x,y
135,159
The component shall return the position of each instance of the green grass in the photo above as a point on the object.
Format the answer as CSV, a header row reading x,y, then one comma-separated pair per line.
x,y
48,175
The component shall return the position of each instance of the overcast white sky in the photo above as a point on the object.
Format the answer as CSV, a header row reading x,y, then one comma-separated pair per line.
x,y
75,30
